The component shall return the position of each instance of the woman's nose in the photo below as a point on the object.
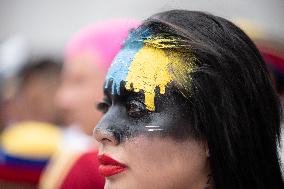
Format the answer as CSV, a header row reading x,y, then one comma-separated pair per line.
x,y
104,135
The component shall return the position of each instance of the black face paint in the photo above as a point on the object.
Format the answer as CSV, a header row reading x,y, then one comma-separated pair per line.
x,y
127,115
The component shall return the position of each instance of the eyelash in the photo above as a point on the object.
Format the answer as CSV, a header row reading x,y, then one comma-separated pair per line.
x,y
135,109
103,107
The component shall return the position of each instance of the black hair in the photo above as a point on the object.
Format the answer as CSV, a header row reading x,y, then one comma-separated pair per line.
x,y
233,106
47,68
278,77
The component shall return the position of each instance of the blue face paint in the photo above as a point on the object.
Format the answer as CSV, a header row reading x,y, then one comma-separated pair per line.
x,y
120,66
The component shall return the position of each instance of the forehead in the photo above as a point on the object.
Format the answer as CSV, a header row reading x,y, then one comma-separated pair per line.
x,y
143,68
82,64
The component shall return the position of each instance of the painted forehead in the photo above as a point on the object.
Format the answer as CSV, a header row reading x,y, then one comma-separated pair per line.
x,y
144,65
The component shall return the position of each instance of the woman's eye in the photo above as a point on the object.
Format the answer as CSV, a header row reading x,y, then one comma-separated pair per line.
x,y
136,109
103,107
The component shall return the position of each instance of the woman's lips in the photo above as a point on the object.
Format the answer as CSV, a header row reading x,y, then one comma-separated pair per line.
x,y
109,166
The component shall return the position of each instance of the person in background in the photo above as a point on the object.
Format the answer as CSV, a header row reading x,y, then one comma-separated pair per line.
x,y
33,99
87,58
38,83
14,54
30,135
25,150
1,103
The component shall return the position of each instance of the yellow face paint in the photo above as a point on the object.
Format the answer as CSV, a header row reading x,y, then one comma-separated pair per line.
x,y
161,42
150,69
150,64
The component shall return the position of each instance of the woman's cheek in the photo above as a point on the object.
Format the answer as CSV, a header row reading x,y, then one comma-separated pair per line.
x,y
159,161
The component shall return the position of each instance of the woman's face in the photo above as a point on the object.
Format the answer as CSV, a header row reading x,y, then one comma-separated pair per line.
x,y
144,134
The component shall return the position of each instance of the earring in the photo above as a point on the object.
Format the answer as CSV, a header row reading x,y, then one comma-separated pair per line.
x,y
207,186
207,152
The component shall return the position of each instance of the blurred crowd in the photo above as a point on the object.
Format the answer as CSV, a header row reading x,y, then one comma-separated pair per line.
x,y
48,105
48,109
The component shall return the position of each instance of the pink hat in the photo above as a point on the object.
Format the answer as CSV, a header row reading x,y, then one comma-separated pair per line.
x,y
103,38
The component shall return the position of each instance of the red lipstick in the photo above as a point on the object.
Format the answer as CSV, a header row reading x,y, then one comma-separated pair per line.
x,y
109,167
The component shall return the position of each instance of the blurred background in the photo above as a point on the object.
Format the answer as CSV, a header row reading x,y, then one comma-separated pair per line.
x,y
41,124
47,25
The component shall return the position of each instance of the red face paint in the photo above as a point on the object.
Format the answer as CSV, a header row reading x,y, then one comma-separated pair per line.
x,y
109,167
